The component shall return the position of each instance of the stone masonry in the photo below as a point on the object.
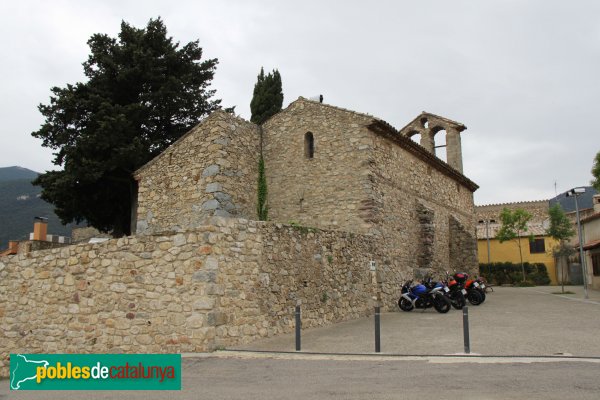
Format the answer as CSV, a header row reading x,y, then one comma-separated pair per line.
x,y
366,177
345,191
225,283
210,171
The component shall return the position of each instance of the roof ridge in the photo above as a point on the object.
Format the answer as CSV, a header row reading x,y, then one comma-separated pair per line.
x,y
301,98
512,202
208,118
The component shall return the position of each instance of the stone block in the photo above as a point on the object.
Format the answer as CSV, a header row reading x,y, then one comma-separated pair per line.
x,y
118,287
144,339
179,240
204,303
205,276
211,170
211,263
223,213
195,321
209,205
213,187
214,289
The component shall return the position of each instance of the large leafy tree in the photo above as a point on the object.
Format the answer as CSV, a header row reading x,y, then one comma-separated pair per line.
x,y
267,98
143,91
596,172
514,226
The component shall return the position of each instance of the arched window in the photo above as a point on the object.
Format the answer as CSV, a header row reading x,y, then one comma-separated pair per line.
x,y
309,145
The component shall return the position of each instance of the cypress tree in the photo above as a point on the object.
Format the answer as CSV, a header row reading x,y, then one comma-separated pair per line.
x,y
267,98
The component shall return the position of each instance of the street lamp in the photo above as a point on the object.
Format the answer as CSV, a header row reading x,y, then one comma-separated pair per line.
x,y
487,235
575,192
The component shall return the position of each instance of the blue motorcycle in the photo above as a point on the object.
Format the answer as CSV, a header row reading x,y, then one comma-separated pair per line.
x,y
419,296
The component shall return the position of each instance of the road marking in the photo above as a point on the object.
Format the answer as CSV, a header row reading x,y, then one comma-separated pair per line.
x,y
561,296
439,359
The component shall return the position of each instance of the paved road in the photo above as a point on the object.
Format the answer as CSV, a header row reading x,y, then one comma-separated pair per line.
x,y
315,377
527,321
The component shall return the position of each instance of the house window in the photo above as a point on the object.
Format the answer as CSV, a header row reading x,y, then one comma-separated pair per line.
x,y
309,145
537,246
596,264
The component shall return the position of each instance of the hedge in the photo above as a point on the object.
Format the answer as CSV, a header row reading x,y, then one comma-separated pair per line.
x,y
509,273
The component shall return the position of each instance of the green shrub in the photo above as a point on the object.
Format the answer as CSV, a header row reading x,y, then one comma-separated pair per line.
x,y
508,273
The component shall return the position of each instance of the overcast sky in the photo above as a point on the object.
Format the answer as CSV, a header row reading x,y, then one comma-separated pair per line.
x,y
523,76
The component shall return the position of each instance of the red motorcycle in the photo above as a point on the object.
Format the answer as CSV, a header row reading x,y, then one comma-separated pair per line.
x,y
475,291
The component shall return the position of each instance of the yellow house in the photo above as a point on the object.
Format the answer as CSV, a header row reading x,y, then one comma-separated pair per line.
x,y
537,251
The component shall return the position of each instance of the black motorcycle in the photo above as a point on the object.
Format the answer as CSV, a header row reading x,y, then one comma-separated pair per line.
x,y
475,295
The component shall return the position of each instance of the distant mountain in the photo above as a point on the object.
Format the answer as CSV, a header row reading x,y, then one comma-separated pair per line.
x,y
20,203
13,173
585,200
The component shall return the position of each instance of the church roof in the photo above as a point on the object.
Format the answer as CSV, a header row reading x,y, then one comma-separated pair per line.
x,y
386,130
432,119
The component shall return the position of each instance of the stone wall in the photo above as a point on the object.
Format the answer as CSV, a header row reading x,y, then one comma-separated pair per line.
x,y
328,190
361,181
210,171
84,234
414,202
539,210
228,282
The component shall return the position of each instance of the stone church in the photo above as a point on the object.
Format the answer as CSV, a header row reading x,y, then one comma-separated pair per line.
x,y
355,207
327,168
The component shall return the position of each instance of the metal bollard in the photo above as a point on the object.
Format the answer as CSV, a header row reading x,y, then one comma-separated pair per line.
x,y
377,330
298,328
465,311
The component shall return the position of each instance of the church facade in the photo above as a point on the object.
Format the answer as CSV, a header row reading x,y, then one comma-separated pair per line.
x,y
326,168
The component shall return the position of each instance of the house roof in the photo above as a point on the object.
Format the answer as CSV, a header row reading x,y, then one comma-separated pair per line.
x,y
590,217
592,245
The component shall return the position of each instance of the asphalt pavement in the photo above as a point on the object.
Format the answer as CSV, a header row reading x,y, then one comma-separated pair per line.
x,y
511,322
525,343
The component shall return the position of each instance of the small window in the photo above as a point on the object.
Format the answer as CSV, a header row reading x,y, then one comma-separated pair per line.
x,y
537,246
596,264
309,145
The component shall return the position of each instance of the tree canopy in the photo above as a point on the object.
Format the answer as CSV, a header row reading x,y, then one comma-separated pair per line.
x,y
560,227
596,172
143,91
514,226
267,98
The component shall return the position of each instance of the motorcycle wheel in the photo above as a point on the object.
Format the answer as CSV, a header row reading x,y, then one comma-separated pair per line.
x,y
405,305
474,297
441,304
482,292
458,302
